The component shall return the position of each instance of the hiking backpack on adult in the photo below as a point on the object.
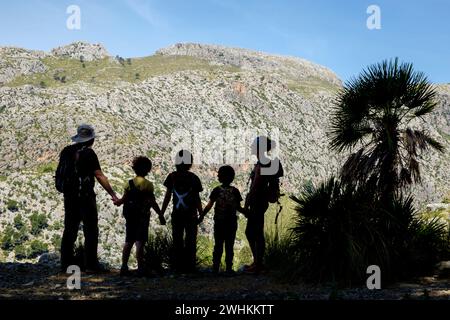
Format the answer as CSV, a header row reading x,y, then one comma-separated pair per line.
x,y
273,184
273,190
66,175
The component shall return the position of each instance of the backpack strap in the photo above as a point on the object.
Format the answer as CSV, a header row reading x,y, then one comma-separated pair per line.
x,y
180,196
134,191
132,185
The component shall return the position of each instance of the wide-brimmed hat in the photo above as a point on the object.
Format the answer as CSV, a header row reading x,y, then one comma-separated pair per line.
x,y
85,132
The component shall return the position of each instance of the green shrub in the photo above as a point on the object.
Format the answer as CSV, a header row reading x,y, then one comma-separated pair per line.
x,y
205,247
57,225
12,238
21,252
281,257
38,223
7,239
18,222
12,205
20,236
446,198
56,242
151,154
47,168
430,244
332,234
158,252
341,230
37,248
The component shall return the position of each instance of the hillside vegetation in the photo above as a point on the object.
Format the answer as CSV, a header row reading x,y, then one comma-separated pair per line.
x,y
137,104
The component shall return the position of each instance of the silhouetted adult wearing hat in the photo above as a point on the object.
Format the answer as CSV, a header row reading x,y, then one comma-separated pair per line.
x,y
77,168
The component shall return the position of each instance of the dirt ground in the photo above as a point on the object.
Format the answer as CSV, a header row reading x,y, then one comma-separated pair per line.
x,y
37,282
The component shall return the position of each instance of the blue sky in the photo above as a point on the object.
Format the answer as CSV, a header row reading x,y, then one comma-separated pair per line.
x,y
331,33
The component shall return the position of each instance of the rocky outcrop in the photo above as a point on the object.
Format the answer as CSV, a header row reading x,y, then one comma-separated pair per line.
x,y
15,62
81,51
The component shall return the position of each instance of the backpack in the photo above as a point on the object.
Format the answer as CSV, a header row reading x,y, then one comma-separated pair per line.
x,y
135,204
273,190
67,179
272,185
226,202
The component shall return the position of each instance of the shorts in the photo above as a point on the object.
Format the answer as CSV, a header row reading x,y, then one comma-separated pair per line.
x,y
137,229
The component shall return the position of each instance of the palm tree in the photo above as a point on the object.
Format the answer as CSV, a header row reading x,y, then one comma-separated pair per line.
x,y
376,113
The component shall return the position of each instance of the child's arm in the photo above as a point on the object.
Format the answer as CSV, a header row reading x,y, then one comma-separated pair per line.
x,y
121,201
199,206
154,205
242,210
206,210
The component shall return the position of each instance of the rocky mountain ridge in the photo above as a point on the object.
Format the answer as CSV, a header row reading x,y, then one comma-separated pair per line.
x,y
17,61
139,105
253,60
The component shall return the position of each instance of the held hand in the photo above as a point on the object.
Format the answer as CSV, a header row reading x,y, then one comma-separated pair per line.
x,y
114,198
117,202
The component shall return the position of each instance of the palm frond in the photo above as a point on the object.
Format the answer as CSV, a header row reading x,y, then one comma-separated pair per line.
x,y
370,111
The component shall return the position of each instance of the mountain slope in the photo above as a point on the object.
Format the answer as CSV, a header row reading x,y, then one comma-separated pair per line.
x,y
140,105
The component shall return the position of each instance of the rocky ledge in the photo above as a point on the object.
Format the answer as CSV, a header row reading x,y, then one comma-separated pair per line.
x,y
82,51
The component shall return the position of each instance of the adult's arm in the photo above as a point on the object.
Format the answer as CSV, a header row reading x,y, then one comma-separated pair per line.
x,y
199,206
104,182
256,183
166,201
154,205
208,207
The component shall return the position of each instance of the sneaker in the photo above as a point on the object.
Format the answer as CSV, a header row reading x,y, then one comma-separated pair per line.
x,y
254,270
124,272
215,269
230,273
249,266
141,273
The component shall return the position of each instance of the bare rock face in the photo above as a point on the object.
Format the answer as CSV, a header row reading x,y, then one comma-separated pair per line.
x,y
137,104
81,51
15,62
252,60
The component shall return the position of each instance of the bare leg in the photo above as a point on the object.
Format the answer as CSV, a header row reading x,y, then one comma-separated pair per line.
x,y
126,254
140,254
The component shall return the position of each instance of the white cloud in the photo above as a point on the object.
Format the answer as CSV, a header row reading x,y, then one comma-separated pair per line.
x,y
146,11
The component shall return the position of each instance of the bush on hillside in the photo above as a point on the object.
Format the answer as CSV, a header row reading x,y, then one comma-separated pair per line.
x,y
341,230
